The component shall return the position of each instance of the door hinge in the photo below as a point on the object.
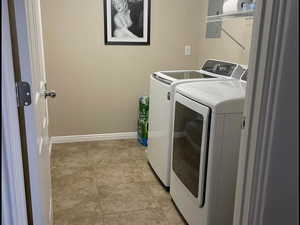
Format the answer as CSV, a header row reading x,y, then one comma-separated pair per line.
x,y
23,93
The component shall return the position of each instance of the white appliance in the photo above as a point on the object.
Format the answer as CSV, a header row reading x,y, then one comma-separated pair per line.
x,y
205,143
162,85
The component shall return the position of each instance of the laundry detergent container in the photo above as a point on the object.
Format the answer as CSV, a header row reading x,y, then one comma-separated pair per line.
x,y
142,130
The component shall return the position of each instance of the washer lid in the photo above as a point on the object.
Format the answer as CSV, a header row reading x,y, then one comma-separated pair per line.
x,y
192,74
221,96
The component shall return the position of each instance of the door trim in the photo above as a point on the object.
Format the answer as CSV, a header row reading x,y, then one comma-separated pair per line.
x,y
14,209
271,67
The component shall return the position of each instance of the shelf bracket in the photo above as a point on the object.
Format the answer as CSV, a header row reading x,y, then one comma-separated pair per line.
x,y
233,38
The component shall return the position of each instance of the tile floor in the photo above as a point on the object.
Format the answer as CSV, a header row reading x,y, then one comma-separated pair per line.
x,y
107,183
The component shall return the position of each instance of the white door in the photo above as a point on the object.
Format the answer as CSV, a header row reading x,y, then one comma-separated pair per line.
x,y
28,29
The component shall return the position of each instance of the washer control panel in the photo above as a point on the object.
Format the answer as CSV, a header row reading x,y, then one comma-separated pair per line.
x,y
224,68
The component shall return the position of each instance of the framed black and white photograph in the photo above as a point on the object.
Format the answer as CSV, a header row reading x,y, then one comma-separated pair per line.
x,y
127,22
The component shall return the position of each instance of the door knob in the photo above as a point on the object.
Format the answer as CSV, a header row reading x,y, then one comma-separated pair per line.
x,y
46,92
50,93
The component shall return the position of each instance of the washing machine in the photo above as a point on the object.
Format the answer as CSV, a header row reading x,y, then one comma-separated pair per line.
x,y
205,141
162,86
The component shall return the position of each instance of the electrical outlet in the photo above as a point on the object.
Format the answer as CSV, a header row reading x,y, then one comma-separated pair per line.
x,y
187,50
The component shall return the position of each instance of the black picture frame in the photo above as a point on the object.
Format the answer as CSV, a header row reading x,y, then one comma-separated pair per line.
x,y
130,25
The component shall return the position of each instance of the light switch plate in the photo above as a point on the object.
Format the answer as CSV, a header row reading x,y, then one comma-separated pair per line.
x,y
187,50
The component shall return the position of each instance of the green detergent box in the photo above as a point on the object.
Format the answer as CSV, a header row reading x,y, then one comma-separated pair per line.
x,y
143,120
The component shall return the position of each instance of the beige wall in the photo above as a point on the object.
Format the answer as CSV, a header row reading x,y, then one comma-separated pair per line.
x,y
224,48
98,86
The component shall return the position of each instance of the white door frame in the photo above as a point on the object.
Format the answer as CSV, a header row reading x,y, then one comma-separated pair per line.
x,y
267,185
14,211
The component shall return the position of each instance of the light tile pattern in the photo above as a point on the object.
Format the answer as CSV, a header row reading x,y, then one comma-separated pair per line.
x,y
108,183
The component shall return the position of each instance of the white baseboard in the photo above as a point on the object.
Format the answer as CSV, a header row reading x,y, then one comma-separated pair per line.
x,y
93,137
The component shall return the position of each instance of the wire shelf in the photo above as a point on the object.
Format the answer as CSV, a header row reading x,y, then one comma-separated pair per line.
x,y
233,15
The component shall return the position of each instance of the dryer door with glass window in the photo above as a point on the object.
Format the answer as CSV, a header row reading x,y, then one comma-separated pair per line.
x,y
190,133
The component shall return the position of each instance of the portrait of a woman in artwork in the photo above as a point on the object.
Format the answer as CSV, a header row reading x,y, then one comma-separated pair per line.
x,y
127,22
